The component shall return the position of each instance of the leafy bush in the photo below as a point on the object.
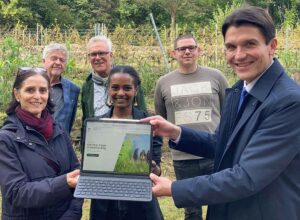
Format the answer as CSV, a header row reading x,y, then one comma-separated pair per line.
x,y
10,53
137,47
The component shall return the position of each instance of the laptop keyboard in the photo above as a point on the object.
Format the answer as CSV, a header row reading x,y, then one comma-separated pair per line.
x,y
114,188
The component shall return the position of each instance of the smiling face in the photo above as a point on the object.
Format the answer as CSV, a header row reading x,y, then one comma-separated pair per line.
x,y
247,52
100,58
55,64
122,90
33,95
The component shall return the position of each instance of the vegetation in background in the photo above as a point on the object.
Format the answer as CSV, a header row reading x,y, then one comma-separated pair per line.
x,y
128,13
12,56
133,46
27,25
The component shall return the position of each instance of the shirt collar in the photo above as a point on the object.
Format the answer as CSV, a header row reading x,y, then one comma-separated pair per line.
x,y
249,86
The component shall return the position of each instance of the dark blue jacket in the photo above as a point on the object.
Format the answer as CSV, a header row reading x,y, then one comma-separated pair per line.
x,y
33,174
257,155
66,115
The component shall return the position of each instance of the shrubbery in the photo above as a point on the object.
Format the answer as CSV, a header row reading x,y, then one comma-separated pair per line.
x,y
136,46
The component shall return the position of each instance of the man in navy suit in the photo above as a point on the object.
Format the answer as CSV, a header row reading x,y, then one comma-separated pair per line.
x,y
256,147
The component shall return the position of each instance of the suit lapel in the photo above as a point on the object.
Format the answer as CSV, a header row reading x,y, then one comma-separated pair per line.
x,y
257,96
249,109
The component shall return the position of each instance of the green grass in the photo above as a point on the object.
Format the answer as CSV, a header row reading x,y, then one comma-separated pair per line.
x,y
170,212
126,163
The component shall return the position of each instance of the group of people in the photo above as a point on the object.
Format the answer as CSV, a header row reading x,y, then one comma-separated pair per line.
x,y
236,149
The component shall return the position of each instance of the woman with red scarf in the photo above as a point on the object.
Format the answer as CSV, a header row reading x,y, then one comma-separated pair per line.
x,y
38,166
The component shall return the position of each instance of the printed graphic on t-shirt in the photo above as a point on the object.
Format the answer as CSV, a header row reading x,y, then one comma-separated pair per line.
x,y
192,102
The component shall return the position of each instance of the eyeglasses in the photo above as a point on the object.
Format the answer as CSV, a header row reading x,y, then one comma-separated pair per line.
x,y
99,53
183,49
25,69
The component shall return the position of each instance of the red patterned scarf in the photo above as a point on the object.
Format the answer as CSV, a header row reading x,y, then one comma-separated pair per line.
x,y
44,125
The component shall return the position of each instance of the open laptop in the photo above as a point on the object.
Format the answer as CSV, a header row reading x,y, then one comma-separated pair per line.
x,y
116,160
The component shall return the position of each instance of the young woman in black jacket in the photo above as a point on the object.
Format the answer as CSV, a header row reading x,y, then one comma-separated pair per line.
x,y
123,84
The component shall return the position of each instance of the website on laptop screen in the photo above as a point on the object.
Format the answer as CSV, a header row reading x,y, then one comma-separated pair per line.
x,y
117,147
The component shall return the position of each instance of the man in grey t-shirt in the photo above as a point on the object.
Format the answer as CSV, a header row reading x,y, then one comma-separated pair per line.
x,y
192,96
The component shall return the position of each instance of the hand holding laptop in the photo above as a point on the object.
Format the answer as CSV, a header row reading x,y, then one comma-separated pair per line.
x,y
161,186
162,127
72,178
115,162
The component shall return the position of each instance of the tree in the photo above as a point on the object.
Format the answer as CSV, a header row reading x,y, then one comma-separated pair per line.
x,y
30,12
11,13
188,13
48,12
282,11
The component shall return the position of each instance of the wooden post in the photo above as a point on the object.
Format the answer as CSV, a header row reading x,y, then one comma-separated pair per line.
x,y
23,37
216,46
29,37
37,34
204,46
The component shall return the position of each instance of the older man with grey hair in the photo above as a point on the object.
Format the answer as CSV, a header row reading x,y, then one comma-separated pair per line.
x,y
63,93
94,95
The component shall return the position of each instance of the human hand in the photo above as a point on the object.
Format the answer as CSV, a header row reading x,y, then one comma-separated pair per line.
x,y
161,185
155,169
162,127
72,178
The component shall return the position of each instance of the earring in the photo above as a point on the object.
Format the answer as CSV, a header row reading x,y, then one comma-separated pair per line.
x,y
135,103
109,103
18,100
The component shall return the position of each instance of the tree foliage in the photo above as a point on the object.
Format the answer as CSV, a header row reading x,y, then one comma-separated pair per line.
x,y
132,13
284,12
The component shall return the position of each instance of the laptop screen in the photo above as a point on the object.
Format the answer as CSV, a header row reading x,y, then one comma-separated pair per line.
x,y
117,146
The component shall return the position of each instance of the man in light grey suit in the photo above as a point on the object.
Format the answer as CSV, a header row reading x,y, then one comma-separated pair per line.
x,y
257,145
